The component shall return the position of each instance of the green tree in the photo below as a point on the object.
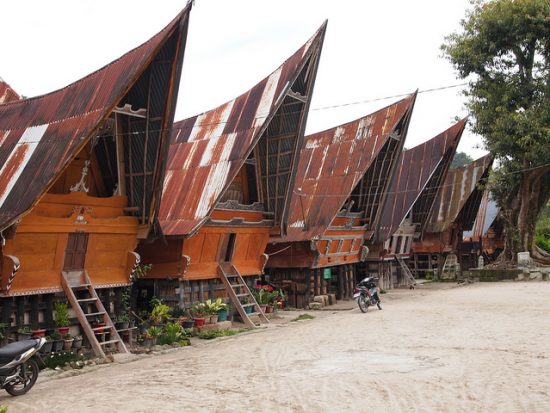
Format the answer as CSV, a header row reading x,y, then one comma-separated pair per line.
x,y
461,159
503,49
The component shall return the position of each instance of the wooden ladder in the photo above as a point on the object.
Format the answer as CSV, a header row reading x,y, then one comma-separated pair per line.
x,y
73,281
408,274
450,266
238,290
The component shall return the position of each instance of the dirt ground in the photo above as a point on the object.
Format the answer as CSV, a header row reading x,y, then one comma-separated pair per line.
x,y
481,348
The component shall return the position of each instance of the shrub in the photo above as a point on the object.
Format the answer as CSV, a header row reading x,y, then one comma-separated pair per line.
x,y
61,314
303,317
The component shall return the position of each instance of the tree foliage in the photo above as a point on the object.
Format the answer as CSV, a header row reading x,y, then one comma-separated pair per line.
x,y
461,159
503,50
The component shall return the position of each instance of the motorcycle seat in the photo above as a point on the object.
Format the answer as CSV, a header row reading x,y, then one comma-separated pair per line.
x,y
12,350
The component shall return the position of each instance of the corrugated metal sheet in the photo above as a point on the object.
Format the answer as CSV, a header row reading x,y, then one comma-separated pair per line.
x,y
416,167
41,135
332,162
459,185
208,150
486,215
7,94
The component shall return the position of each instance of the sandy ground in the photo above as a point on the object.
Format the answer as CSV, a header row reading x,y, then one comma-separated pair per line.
x,y
482,348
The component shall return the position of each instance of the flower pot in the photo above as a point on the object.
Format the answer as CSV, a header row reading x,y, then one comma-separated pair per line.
x,y
147,342
199,321
41,332
188,323
132,323
269,309
57,345
63,330
222,315
248,309
68,344
281,305
23,336
77,343
47,347
263,307
213,318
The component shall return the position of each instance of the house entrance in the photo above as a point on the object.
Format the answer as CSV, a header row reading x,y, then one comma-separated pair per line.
x,y
75,253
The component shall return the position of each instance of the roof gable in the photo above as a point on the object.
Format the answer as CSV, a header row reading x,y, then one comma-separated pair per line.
x,y
41,135
419,174
208,150
332,163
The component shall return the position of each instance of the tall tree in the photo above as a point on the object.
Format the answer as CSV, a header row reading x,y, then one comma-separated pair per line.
x,y
461,159
503,49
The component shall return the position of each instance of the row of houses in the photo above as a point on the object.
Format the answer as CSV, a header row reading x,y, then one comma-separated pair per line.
x,y
98,181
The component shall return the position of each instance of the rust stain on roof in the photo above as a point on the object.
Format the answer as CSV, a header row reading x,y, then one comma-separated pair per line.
x,y
458,187
208,150
7,94
41,135
332,162
416,166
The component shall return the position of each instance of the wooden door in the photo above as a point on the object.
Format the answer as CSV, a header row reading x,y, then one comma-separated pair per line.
x,y
75,253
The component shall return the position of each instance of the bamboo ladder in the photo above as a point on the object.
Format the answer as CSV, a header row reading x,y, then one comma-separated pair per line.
x,y
73,281
237,289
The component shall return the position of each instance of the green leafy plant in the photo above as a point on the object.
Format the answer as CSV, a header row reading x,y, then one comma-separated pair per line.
x,y
61,358
214,307
173,333
24,330
141,270
176,312
55,336
3,409
209,335
61,314
153,331
159,313
303,317
199,310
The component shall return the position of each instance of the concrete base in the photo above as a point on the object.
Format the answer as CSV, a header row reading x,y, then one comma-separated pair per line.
x,y
221,325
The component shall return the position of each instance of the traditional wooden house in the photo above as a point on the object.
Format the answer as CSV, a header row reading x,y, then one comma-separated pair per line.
x,y
412,193
486,237
81,172
227,187
455,209
7,94
341,183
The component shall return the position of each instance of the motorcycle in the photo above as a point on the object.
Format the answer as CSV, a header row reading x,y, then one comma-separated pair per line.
x,y
18,365
366,294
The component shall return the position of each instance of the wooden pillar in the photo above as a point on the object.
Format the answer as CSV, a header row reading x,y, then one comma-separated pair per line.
x,y
315,283
351,281
340,291
118,301
34,311
201,290
308,285
211,293
48,312
20,315
181,294
7,306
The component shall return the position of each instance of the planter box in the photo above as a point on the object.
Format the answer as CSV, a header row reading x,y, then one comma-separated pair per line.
x,y
221,325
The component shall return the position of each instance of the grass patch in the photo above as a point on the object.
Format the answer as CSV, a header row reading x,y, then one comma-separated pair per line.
x,y
209,335
60,359
303,317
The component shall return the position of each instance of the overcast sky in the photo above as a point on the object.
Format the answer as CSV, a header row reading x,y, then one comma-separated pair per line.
x,y
372,49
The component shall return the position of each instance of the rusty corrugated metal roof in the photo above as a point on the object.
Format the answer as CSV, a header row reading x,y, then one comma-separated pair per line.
x,y
7,94
486,215
416,168
458,187
332,162
41,135
208,150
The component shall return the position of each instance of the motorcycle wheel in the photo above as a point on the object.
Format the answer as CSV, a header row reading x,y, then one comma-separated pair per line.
x,y
27,381
362,303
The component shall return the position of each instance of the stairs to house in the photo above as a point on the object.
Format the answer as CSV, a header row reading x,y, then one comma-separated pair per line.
x,y
451,267
407,271
88,307
240,294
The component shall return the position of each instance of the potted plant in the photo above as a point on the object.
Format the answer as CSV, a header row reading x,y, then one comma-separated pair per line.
x,y
122,322
24,333
153,332
47,346
159,314
39,332
62,317
77,343
223,309
244,300
68,341
199,312
57,341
